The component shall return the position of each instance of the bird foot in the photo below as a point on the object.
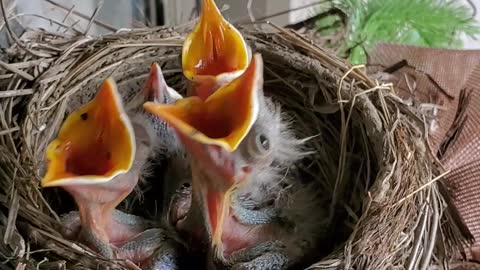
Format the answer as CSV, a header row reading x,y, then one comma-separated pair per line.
x,y
254,217
94,241
124,230
265,256
124,226
267,261
154,249
71,225
180,204
165,257
247,210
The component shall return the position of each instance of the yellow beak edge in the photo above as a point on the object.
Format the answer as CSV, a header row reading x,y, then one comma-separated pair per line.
x,y
225,117
215,48
95,143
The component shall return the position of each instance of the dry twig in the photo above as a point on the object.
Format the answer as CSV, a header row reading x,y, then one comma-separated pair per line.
x,y
371,157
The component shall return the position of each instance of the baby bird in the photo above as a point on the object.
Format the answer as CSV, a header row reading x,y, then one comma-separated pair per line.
x,y
98,156
254,214
214,53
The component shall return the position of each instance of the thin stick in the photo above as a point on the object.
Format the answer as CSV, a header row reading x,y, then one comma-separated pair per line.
x,y
21,73
418,239
60,24
250,14
15,93
66,16
102,24
95,12
10,130
14,36
246,18
422,187
12,217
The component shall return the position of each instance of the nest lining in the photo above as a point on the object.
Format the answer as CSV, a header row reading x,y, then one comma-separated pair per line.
x,y
371,157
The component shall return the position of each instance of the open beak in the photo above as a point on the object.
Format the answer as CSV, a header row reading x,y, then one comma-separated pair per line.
x,y
153,87
211,131
224,118
156,88
214,53
95,143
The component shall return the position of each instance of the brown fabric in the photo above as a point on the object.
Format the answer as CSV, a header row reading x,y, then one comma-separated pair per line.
x,y
463,157
430,76
451,79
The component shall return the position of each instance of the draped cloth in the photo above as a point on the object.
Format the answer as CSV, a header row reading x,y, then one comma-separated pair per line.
x,y
446,85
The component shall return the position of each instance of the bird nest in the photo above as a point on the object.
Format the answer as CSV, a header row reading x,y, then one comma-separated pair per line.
x,y
371,156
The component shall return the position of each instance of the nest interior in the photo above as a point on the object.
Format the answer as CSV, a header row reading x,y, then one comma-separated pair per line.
x,y
371,157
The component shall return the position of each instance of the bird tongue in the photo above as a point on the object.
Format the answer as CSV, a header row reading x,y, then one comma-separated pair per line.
x,y
95,143
213,51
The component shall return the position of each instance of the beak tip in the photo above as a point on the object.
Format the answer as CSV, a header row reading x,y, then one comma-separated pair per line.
x,y
43,183
155,70
110,84
48,182
196,46
76,133
148,106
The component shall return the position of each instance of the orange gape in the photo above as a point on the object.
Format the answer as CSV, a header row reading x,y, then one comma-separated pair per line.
x,y
211,130
85,162
95,143
214,47
235,105
217,56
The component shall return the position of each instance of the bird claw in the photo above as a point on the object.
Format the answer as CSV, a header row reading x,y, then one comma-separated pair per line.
x,y
268,255
267,261
71,225
90,238
180,204
155,247
165,257
254,217
135,224
126,230
250,211
139,223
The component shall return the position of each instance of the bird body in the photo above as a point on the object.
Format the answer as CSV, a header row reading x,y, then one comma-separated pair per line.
x,y
97,191
253,213
214,53
227,186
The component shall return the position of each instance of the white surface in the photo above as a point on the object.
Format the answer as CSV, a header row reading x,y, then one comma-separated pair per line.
x,y
303,14
119,13
470,43
178,12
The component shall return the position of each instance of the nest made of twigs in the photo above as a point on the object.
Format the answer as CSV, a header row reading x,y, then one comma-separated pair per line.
x,y
371,156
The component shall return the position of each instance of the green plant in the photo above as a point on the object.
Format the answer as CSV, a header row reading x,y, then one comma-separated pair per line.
x,y
428,23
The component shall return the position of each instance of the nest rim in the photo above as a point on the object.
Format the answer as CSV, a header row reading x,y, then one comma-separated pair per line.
x,y
385,119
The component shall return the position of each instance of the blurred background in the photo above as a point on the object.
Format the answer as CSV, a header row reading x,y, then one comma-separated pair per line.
x,y
128,13
349,27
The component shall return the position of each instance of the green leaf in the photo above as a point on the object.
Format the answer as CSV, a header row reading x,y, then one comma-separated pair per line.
x,y
358,56
429,23
327,21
